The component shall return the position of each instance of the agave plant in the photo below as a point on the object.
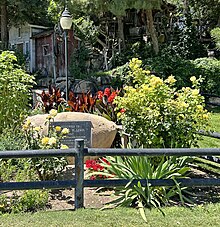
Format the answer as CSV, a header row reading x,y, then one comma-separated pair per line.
x,y
142,167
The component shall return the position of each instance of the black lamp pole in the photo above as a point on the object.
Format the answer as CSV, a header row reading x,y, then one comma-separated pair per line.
x,y
66,23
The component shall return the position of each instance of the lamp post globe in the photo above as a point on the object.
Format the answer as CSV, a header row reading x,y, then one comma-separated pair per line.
x,y
66,24
66,20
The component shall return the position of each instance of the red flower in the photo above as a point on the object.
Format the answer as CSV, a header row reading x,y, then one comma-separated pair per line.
x,y
92,178
107,92
122,110
105,160
95,166
112,97
100,95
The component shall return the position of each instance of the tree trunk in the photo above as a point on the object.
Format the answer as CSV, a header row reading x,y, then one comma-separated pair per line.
x,y
218,24
4,28
185,7
152,31
121,31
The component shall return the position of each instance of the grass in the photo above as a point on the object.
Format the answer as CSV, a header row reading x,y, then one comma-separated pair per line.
x,y
208,142
201,215
207,165
207,215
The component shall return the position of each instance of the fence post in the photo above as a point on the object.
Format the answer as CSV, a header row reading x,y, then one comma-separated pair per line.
x,y
79,173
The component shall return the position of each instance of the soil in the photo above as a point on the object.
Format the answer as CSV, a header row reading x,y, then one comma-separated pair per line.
x,y
64,199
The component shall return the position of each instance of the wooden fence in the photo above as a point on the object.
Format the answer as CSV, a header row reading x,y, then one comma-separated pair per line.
x,y
79,152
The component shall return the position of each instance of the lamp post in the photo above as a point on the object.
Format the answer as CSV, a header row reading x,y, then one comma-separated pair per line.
x,y
66,23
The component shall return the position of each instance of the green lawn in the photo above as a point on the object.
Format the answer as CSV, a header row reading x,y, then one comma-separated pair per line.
x,y
208,142
200,216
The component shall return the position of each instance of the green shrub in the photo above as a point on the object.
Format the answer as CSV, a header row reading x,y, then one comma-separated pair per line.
x,y
20,170
209,69
15,87
143,168
79,63
31,200
215,33
169,63
155,114
46,168
11,139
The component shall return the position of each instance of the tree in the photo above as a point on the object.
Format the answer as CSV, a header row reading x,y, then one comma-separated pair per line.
x,y
4,19
148,6
118,8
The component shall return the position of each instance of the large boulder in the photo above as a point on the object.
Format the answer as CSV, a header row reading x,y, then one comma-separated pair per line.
x,y
103,130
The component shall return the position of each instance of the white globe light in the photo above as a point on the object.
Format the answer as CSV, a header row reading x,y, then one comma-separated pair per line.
x,y
66,20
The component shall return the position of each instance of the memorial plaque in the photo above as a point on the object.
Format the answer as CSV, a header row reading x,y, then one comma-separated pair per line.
x,y
78,130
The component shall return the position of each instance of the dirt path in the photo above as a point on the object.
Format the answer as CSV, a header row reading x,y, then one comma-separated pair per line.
x,y
64,199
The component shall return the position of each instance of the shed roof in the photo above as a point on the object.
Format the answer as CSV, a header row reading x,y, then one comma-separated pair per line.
x,y
42,34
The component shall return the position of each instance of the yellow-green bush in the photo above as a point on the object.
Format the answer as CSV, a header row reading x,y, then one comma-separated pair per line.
x,y
156,114
15,87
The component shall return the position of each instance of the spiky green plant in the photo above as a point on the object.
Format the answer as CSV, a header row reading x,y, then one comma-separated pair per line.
x,y
142,167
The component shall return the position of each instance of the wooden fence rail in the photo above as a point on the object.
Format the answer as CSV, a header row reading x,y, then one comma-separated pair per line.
x,y
79,152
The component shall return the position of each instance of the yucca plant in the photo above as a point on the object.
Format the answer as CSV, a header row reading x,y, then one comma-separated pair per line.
x,y
143,167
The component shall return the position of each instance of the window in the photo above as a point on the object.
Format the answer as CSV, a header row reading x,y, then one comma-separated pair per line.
x,y
19,32
19,47
12,47
26,48
46,50
0,28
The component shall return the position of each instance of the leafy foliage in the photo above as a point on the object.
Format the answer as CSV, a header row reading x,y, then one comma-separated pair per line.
x,y
85,29
101,103
21,11
31,200
209,69
51,100
15,87
157,114
143,168
187,43
79,62
169,63
46,168
215,33
104,105
81,103
11,139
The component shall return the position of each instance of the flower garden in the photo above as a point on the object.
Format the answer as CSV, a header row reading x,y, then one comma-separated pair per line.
x,y
154,112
